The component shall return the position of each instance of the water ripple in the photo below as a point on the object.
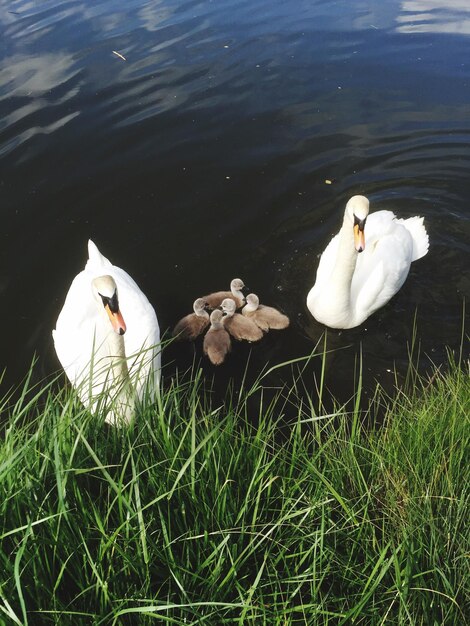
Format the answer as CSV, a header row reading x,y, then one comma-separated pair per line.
x,y
29,86
432,16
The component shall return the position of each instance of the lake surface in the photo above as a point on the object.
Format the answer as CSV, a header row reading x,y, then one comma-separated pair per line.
x,y
204,155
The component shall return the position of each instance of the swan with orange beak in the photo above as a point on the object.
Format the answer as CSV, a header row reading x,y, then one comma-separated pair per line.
x,y
107,339
365,264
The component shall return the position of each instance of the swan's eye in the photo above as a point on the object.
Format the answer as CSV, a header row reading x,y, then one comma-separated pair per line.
x,y
105,299
112,302
359,223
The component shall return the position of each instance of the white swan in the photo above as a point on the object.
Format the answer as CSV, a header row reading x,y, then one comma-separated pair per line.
x,y
98,358
350,286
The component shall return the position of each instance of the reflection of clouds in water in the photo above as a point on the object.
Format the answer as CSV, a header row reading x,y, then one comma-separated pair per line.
x,y
154,15
434,16
31,84
6,16
33,76
155,94
31,21
21,138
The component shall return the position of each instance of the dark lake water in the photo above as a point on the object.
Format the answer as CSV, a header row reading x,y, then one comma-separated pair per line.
x,y
204,155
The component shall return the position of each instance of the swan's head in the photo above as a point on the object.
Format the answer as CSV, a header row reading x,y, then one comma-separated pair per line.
x,y
357,210
106,294
237,284
228,306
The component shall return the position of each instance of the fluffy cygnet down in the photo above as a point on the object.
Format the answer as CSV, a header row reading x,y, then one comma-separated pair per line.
x,y
192,325
266,317
214,300
217,342
238,326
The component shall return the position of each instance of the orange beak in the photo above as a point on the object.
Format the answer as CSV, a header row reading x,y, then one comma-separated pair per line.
x,y
117,321
359,240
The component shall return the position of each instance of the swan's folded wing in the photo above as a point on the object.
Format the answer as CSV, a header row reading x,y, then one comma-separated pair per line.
x,y
79,342
379,224
142,338
415,226
367,290
325,266
381,269
96,261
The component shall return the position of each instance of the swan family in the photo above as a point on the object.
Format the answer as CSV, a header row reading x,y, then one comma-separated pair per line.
x,y
107,336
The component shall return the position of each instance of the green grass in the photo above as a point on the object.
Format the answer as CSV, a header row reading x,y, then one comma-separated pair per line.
x,y
227,515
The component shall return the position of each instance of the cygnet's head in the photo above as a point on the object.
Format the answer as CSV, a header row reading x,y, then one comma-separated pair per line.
x,y
253,300
199,305
216,317
228,306
237,284
357,209
105,293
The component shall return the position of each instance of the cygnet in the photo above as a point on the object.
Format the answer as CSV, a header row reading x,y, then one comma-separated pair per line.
x,y
192,325
238,326
217,342
266,317
214,300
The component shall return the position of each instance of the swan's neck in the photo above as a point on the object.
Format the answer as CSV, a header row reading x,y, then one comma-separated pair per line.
x,y
250,307
345,264
122,392
237,294
117,350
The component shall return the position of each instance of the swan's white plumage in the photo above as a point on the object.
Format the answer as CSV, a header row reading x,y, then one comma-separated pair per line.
x,y
80,336
375,275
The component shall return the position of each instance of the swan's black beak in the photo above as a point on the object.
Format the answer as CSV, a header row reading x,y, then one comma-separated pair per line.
x,y
359,239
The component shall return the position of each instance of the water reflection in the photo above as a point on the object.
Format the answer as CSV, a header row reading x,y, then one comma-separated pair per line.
x,y
34,76
154,15
34,84
434,16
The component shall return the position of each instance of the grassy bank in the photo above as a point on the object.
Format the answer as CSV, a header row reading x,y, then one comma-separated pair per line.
x,y
206,515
